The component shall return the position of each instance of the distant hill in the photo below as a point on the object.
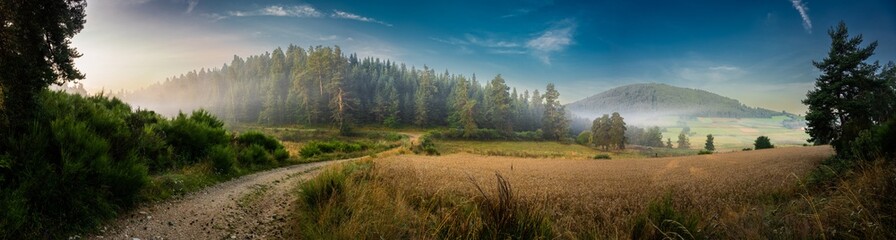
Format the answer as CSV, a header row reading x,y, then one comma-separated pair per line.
x,y
649,100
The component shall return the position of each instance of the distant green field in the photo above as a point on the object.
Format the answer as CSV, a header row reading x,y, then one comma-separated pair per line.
x,y
735,134
546,149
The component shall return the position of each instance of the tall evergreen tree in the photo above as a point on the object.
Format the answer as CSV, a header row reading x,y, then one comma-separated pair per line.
x,y
840,104
683,142
554,121
464,107
424,98
710,145
499,111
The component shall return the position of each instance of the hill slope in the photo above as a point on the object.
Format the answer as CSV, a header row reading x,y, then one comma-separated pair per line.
x,y
656,100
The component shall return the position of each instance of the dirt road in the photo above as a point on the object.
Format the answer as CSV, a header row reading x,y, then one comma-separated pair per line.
x,y
254,206
250,207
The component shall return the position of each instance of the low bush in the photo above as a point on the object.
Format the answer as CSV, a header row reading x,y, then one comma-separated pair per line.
x,y
704,152
879,142
318,148
763,142
82,160
223,160
584,137
426,146
485,134
602,156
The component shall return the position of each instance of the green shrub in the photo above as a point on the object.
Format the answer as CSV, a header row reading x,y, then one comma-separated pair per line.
x,y
192,137
763,142
879,142
315,148
426,146
255,156
584,137
82,160
249,138
602,156
747,149
704,152
484,134
281,155
223,160
76,163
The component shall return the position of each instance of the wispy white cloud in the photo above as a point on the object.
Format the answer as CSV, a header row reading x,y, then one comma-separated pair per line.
x,y
804,13
213,16
328,38
191,4
554,39
490,42
352,16
280,11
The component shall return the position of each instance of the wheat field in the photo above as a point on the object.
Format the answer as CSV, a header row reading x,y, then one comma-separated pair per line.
x,y
605,195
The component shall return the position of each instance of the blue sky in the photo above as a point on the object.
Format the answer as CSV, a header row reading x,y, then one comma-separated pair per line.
x,y
759,52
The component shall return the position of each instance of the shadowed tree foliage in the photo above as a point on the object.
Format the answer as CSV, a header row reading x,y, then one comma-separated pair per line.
x,y
850,95
35,51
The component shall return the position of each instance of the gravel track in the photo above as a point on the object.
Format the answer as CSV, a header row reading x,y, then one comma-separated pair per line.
x,y
254,206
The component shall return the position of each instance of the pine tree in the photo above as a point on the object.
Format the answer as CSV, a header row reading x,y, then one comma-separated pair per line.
x,y
499,111
840,104
554,121
463,108
709,143
668,142
683,142
341,102
424,98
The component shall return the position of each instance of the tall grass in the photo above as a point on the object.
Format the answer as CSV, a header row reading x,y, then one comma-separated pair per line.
x,y
358,201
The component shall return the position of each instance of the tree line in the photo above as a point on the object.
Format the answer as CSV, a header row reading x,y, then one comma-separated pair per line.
x,y
321,85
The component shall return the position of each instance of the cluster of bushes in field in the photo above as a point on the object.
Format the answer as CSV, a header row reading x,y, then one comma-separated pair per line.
x,y
486,134
85,159
369,143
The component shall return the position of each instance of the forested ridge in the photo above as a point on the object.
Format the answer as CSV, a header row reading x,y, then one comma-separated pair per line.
x,y
322,85
659,99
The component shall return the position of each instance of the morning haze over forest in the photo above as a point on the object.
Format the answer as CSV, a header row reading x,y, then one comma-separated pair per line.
x,y
533,119
585,48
